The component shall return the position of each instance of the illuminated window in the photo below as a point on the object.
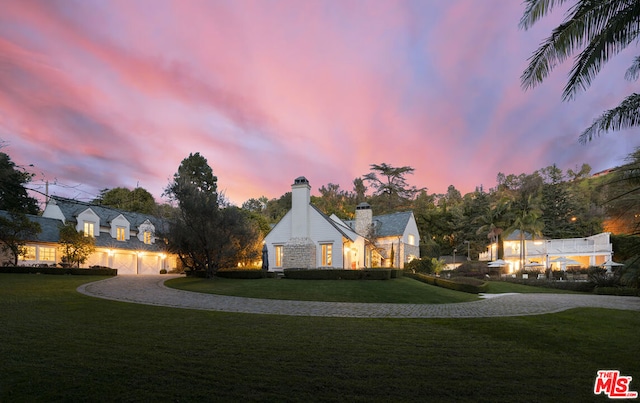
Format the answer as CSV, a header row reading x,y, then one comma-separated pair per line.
x,y
412,240
120,233
147,237
48,254
28,253
88,228
279,255
327,249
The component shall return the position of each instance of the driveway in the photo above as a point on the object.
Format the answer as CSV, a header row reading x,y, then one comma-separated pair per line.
x,y
150,290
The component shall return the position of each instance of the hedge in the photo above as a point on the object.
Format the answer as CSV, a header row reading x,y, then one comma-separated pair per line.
x,y
464,284
242,274
101,271
338,274
620,291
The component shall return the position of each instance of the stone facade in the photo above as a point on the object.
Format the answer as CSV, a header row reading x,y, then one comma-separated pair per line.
x,y
299,253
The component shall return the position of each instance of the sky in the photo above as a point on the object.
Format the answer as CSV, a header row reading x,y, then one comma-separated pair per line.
x,y
116,93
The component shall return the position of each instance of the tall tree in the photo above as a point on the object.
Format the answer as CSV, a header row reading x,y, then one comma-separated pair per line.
x,y
13,193
598,30
15,230
390,185
205,235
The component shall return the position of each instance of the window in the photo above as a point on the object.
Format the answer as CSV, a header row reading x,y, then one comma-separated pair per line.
x,y
412,239
88,228
147,237
28,253
48,254
120,233
327,249
279,255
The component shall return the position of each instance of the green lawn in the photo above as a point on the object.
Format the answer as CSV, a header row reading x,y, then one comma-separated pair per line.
x,y
401,290
59,345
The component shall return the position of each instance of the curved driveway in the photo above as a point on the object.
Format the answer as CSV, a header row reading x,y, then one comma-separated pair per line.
x,y
151,290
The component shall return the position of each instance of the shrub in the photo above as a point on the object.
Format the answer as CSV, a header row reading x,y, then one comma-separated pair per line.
x,y
464,284
163,271
337,274
99,271
241,274
471,269
620,291
602,278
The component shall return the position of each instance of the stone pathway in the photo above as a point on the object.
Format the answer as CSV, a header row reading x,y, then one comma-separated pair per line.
x,y
151,290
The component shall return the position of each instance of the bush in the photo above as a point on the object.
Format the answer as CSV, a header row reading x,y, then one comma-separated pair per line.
x,y
337,274
163,271
97,271
620,291
464,284
241,274
471,269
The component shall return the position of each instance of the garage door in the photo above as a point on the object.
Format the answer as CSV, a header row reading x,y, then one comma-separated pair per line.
x,y
125,263
149,265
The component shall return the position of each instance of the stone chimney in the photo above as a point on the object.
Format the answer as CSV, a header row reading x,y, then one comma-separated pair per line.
x,y
300,250
364,219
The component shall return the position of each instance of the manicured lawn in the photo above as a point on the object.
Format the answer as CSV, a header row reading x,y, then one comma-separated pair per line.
x,y
401,290
58,345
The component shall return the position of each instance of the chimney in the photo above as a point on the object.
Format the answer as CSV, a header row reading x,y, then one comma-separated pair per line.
x,y
300,199
364,219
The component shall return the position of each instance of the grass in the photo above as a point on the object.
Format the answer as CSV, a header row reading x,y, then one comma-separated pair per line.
x,y
401,290
59,345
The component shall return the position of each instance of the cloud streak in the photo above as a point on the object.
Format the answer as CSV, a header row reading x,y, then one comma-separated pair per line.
x,y
94,94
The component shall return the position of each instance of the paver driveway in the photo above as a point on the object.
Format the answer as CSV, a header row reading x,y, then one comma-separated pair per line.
x,y
151,290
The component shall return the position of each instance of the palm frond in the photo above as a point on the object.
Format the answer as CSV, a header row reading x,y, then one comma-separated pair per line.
x,y
609,28
570,35
624,116
633,70
535,10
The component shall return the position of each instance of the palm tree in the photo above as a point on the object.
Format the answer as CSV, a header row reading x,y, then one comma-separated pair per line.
x,y
527,218
599,30
492,222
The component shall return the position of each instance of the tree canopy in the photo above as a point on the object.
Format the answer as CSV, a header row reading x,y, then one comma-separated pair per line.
x,y
13,193
204,234
597,31
137,200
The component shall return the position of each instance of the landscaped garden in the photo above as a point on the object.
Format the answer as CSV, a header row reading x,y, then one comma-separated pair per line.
x,y
59,345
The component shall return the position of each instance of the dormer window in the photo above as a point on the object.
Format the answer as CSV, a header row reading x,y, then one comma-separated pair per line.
x,y
88,228
121,233
147,237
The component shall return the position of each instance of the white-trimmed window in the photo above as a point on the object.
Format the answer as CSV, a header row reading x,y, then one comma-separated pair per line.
x,y
88,228
28,253
47,254
279,255
327,254
147,237
120,233
411,239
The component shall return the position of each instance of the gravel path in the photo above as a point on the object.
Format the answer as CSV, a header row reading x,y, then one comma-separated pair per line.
x,y
150,290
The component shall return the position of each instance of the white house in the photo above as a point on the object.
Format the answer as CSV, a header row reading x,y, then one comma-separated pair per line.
x,y
125,241
556,254
307,238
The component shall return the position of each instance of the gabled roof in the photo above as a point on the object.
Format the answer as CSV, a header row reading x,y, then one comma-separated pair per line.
x,y
386,225
335,224
72,208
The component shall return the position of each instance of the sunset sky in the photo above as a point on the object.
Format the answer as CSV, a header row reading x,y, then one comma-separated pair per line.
x,y
101,94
